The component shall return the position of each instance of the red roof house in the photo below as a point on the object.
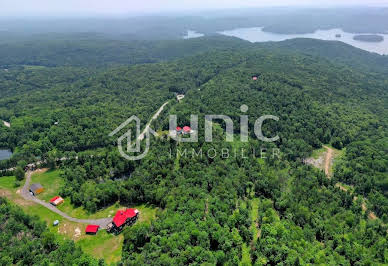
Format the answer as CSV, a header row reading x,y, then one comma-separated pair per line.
x,y
122,216
92,229
178,129
121,219
187,129
56,200
254,78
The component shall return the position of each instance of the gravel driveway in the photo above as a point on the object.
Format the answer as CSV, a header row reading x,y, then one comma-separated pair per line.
x,y
25,193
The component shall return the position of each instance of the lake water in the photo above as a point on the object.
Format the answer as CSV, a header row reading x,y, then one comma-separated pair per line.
x,y
193,34
5,154
258,35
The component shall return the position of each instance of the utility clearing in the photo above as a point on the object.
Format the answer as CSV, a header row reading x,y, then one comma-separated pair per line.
x,y
324,160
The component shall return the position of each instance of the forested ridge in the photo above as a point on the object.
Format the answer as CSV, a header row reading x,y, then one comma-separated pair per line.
x,y
67,109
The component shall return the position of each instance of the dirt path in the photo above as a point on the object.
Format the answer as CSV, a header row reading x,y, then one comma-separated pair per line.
x,y
328,160
156,115
27,196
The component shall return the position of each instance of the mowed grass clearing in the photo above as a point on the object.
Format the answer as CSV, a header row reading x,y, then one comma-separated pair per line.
x,y
8,182
51,182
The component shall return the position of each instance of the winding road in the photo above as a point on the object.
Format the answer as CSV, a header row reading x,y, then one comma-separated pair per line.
x,y
25,193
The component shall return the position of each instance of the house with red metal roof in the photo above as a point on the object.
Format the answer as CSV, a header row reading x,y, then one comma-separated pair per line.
x,y
187,130
122,219
57,200
92,229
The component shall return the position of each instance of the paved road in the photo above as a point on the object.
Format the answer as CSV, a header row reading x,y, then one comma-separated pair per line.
x,y
27,196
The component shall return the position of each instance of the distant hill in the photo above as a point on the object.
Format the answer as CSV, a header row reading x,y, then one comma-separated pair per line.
x,y
91,50
338,52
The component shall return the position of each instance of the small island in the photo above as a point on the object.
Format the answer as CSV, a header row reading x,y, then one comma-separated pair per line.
x,y
338,35
369,38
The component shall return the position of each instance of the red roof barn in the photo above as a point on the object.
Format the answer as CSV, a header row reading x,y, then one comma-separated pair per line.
x,y
56,200
92,229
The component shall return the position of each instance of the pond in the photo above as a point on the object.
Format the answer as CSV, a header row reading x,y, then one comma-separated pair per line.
x,y
5,154
258,35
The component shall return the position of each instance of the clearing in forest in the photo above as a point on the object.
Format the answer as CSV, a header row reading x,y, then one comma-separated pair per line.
x,y
103,245
324,159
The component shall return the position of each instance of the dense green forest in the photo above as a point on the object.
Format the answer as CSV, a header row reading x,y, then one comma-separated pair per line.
x,y
65,106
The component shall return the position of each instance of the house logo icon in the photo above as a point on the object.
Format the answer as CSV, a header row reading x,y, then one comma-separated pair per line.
x,y
133,147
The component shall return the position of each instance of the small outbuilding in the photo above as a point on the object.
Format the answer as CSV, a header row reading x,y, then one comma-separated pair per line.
x,y
36,189
55,223
57,200
254,78
92,229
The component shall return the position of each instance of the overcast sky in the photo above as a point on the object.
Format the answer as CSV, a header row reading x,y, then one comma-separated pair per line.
x,y
56,7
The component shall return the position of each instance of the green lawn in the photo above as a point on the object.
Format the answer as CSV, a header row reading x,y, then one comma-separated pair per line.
x,y
81,213
7,182
51,182
103,245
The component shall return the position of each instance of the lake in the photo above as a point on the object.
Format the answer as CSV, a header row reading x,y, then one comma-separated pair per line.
x,y
193,34
258,35
5,154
